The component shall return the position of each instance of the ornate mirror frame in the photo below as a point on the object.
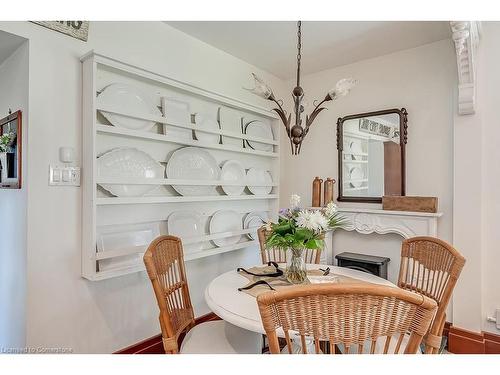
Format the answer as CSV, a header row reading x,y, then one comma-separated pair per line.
x,y
16,182
403,138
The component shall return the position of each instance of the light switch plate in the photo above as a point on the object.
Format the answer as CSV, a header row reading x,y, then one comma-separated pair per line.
x,y
64,176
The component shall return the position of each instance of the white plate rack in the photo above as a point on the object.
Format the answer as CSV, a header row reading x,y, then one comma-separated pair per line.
x,y
101,208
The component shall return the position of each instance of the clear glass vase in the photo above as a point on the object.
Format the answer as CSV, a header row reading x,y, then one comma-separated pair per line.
x,y
296,272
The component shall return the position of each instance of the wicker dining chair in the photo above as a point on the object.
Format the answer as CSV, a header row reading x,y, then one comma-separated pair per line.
x,y
431,267
365,317
164,262
280,255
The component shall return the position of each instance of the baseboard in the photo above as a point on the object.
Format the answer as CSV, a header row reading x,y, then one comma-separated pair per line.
x,y
461,341
154,345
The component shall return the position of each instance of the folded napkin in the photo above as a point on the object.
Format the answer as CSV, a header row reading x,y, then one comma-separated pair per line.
x,y
280,282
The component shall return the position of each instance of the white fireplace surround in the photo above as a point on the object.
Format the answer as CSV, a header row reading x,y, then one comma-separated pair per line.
x,y
406,224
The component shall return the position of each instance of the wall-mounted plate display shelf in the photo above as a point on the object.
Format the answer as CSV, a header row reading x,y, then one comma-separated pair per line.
x,y
155,114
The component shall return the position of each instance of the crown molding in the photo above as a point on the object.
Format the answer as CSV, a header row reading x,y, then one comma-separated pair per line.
x,y
466,35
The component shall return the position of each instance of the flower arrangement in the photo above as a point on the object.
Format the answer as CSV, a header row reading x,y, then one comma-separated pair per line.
x,y
5,141
298,229
302,228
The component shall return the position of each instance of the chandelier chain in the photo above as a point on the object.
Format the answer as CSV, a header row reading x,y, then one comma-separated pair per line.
x,y
299,47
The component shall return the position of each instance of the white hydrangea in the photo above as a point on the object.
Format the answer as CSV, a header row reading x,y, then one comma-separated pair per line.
x,y
312,220
294,201
331,209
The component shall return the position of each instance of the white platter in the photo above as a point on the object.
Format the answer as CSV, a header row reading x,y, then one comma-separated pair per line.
x,y
118,237
261,130
204,121
128,162
356,148
186,224
193,163
233,171
255,219
225,221
230,120
356,175
176,112
121,97
259,176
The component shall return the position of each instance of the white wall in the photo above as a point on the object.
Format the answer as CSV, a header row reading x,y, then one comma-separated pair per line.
x,y
64,310
488,97
13,95
422,80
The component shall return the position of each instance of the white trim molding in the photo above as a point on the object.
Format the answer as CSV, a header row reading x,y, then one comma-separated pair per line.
x,y
406,224
466,35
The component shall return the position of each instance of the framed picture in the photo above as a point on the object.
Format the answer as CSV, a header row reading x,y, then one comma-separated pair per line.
x,y
11,160
75,29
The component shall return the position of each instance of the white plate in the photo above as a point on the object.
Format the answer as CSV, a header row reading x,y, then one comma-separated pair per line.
x,y
125,98
128,162
255,220
176,112
356,175
261,130
186,224
225,221
259,176
193,163
204,121
117,237
230,120
356,148
233,171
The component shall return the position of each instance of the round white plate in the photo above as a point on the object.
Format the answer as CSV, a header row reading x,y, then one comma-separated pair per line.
x,y
255,219
356,148
225,221
259,176
261,130
128,162
186,224
193,163
204,121
233,171
125,98
356,175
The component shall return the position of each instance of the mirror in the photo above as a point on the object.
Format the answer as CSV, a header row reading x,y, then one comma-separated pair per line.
x,y
371,155
10,160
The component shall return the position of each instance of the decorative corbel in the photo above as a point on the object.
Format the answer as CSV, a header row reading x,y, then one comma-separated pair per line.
x,y
466,36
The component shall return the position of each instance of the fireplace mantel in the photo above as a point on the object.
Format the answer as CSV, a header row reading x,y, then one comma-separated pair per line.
x,y
406,224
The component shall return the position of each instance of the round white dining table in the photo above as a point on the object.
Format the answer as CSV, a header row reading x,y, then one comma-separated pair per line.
x,y
240,308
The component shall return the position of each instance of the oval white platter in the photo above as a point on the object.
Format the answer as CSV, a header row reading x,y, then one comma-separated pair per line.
x,y
129,99
176,112
225,221
260,177
255,219
204,121
230,120
128,162
356,148
261,130
186,224
356,175
193,163
233,171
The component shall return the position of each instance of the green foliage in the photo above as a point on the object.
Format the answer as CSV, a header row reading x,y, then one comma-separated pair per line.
x,y
287,234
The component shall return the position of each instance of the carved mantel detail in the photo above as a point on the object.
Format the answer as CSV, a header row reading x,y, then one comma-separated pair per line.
x,y
466,36
406,224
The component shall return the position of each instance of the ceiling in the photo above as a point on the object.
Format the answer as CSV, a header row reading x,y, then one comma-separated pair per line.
x,y
8,44
271,45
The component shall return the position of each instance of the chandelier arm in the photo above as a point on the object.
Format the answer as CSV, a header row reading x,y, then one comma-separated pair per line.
x,y
310,119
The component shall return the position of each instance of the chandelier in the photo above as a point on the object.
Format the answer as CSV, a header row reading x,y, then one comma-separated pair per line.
x,y
297,132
